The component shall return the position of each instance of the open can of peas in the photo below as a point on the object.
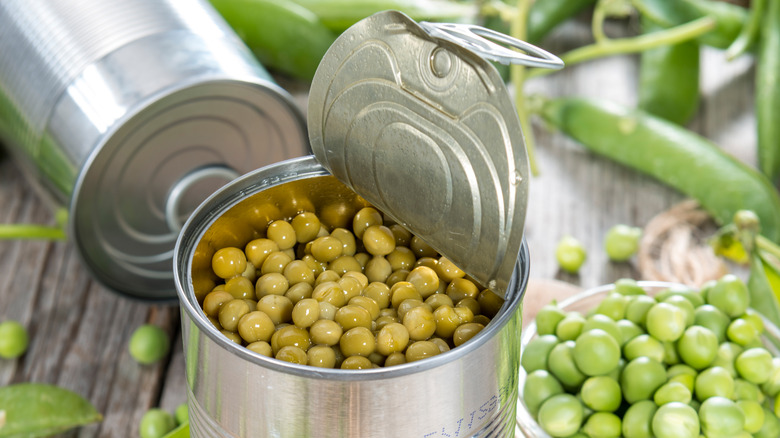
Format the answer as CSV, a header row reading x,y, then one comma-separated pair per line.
x,y
372,289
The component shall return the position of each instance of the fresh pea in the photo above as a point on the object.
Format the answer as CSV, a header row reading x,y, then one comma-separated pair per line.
x,y
721,417
644,345
768,94
539,386
561,415
561,364
753,413
754,365
712,318
730,295
596,352
283,35
638,419
675,419
156,423
682,159
181,414
771,426
570,254
13,339
535,353
628,286
669,79
672,392
698,347
148,344
570,326
37,409
602,424
613,305
601,393
548,318
713,382
640,379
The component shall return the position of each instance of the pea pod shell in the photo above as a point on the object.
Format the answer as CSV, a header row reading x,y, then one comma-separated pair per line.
x,y
283,35
37,409
674,155
181,431
729,18
669,79
764,287
768,93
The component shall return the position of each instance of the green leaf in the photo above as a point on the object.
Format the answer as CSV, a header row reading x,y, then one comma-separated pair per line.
x,y
182,431
764,286
37,409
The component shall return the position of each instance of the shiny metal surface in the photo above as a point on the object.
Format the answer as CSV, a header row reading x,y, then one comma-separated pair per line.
x,y
468,391
131,113
424,129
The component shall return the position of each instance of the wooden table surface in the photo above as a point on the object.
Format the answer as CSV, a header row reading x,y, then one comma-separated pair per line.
x,y
79,330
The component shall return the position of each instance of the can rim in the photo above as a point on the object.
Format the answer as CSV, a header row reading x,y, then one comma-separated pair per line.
x,y
195,228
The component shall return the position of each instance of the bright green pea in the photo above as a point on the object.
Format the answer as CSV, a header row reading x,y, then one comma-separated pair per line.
x,y
637,308
602,425
729,294
670,353
601,393
741,332
686,292
603,322
628,287
181,414
713,382
570,254
755,319
665,322
720,417
561,415
672,392
744,390
675,420
753,413
539,386
771,426
596,352
754,365
726,356
547,318
684,305
156,423
561,364
536,352
683,374
697,346
772,386
640,379
13,339
713,318
570,326
148,344
638,419
622,242
644,345
613,305
628,330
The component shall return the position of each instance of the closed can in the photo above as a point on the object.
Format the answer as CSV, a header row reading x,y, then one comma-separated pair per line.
x,y
404,118
131,113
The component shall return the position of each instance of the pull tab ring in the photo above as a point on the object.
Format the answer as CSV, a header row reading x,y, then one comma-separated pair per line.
x,y
480,40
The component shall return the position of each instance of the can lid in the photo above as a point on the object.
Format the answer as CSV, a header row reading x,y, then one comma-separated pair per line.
x,y
147,176
414,119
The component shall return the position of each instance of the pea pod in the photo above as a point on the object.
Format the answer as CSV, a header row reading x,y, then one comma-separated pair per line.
x,y
672,154
749,33
181,431
669,79
768,93
544,16
338,15
37,409
729,18
283,35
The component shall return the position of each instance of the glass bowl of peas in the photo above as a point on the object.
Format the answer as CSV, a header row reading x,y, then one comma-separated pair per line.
x,y
651,359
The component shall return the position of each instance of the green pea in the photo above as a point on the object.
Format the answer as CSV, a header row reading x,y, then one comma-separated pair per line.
x,y
602,425
684,305
181,414
548,318
628,287
741,332
665,322
644,345
539,386
772,386
637,308
596,352
771,426
628,331
671,357
744,390
682,373
561,364
570,326
603,322
697,347
13,340
686,292
561,415
613,305
640,378
675,420
754,365
720,417
713,318
672,392
753,413
638,419
713,382
148,344
730,295
570,254
622,242
726,357
156,423
537,350
601,393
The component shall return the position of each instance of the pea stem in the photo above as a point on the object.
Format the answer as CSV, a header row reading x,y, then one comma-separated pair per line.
x,y
767,246
517,75
618,46
597,22
25,231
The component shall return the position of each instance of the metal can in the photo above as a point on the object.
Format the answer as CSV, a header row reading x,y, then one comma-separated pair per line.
x,y
131,113
404,118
